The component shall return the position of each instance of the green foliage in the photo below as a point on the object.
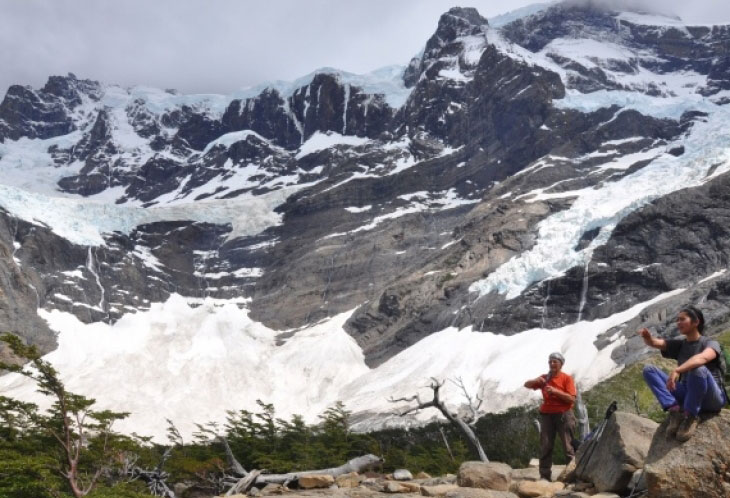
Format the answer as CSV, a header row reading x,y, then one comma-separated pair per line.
x,y
629,390
70,440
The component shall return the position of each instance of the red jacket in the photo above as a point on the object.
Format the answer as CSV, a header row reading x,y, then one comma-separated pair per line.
x,y
551,403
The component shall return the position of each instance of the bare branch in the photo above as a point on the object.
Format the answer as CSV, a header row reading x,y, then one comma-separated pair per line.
x,y
436,402
473,406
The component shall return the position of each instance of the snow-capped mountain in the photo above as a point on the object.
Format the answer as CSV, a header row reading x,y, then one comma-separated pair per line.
x,y
548,182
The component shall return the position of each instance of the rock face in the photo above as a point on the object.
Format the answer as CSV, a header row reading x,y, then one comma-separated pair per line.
x,y
611,462
699,468
490,475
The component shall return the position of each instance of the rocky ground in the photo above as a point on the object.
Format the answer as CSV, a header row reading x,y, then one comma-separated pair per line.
x,y
633,457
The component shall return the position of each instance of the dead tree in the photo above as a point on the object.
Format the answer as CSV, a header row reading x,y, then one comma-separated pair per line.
x,y
466,425
240,481
156,479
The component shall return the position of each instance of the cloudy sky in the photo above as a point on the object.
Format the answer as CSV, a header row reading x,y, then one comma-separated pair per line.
x,y
221,45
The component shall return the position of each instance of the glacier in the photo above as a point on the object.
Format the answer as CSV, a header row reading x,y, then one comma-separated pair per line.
x,y
191,360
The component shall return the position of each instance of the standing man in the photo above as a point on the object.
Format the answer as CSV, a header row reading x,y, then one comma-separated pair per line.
x,y
556,412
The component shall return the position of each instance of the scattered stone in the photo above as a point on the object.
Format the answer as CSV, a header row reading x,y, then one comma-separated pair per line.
x,y
310,481
487,475
372,482
274,489
423,475
533,489
534,463
413,487
434,481
528,474
395,487
402,475
697,468
479,493
611,462
438,490
566,493
349,480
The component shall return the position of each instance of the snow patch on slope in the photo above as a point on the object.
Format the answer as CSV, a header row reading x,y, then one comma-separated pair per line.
x,y
320,141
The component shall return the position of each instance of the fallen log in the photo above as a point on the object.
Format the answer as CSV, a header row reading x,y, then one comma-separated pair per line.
x,y
244,483
359,464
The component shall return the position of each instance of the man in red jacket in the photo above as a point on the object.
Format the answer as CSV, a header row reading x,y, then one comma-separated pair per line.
x,y
556,412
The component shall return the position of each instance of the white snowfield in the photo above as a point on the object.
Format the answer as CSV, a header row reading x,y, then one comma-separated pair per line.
x,y
192,364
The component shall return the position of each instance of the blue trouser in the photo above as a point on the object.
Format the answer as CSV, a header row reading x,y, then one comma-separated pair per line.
x,y
697,392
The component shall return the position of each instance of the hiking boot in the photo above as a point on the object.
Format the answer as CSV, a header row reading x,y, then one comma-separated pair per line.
x,y
688,428
675,419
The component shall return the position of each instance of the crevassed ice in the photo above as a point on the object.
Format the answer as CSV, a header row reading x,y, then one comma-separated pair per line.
x,y
84,222
706,145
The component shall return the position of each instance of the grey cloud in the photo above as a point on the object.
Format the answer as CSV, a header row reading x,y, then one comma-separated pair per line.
x,y
221,45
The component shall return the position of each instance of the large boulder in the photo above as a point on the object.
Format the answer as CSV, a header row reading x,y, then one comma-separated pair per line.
x,y
699,468
487,475
610,462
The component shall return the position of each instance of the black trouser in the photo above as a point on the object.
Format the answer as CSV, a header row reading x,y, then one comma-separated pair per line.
x,y
551,425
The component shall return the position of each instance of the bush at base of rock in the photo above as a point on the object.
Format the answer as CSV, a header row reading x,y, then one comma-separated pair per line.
x,y
487,475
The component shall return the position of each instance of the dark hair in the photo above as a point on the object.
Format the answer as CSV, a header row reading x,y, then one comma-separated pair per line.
x,y
696,315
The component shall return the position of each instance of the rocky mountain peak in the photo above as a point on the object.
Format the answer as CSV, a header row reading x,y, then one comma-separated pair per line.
x,y
464,16
460,33
70,88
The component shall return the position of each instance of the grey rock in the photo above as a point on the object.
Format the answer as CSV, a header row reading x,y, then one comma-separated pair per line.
x,y
697,468
610,462
402,475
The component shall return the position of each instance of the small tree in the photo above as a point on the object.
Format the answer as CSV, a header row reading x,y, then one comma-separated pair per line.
x,y
79,431
465,424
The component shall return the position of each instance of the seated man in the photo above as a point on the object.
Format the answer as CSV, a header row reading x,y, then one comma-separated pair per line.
x,y
695,385
556,412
